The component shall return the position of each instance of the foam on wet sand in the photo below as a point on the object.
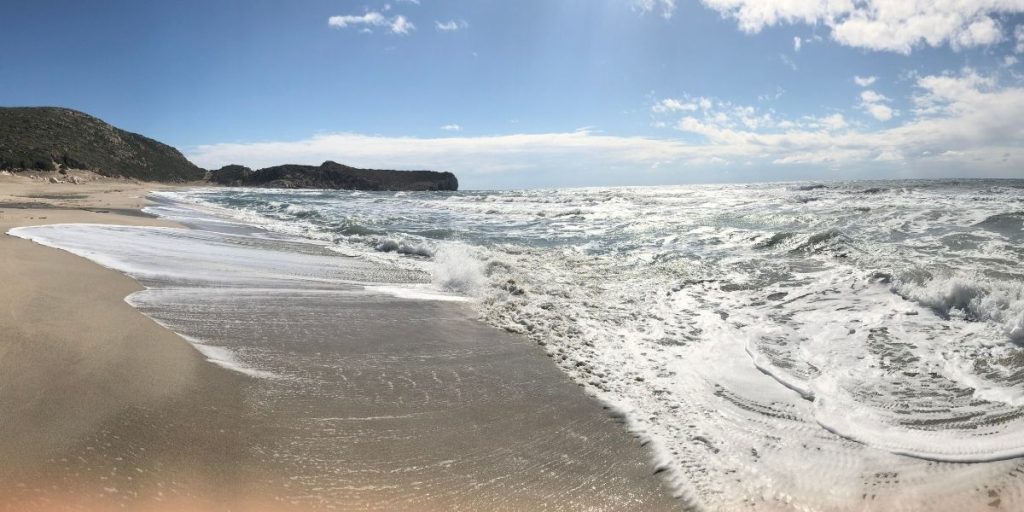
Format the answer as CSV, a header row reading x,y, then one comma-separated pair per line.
x,y
344,397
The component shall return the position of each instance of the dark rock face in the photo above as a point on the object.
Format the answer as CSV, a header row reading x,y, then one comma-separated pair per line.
x,y
49,138
332,175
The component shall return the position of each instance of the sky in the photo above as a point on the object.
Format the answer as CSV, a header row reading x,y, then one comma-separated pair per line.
x,y
544,93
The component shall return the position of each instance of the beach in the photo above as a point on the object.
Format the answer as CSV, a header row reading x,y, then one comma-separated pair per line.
x,y
743,255
103,408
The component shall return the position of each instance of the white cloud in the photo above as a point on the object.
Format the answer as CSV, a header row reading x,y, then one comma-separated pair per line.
x,y
726,117
864,81
450,26
1009,61
452,128
833,122
983,32
870,96
1018,34
400,25
963,124
686,103
797,43
886,25
667,7
944,95
673,105
964,112
396,25
875,104
879,111
370,18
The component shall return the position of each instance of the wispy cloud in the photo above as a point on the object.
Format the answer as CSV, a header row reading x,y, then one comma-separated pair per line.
x,y
396,25
452,128
674,105
790,63
887,25
961,122
797,44
664,7
864,81
450,25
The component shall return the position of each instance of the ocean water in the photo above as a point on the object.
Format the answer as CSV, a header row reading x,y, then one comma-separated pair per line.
x,y
804,346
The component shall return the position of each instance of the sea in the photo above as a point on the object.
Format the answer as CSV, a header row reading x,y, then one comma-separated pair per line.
x,y
799,346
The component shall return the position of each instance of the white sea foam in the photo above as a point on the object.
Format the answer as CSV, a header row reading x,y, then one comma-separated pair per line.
x,y
402,247
972,297
457,270
174,262
780,346
417,293
227,359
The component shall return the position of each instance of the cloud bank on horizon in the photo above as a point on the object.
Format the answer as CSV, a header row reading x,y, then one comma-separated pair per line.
x,y
960,121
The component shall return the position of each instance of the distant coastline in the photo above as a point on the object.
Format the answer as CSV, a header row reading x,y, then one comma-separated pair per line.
x,y
59,140
332,175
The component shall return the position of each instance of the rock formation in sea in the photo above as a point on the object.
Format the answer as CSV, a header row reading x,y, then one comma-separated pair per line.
x,y
333,175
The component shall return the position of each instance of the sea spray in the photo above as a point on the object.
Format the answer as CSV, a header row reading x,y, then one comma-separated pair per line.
x,y
457,270
971,298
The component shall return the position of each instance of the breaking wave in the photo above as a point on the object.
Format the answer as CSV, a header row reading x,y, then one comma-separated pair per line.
x,y
973,298
457,270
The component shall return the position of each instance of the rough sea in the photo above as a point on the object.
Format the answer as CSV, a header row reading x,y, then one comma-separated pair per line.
x,y
804,346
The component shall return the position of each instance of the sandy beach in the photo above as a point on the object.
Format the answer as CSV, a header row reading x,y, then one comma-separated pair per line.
x,y
101,408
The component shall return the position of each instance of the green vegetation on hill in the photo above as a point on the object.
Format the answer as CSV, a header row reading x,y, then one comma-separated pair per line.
x,y
48,138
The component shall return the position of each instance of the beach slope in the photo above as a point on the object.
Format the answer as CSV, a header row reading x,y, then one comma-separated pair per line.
x,y
101,408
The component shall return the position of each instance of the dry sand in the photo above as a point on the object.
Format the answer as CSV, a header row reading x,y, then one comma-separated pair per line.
x,y
103,409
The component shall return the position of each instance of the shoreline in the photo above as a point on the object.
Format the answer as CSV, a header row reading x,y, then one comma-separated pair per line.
x,y
176,414
100,405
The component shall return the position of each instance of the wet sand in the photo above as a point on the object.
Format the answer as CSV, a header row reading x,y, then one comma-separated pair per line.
x,y
100,407
413,405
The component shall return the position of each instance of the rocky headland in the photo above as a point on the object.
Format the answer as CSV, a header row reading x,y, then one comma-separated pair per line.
x,y
42,140
332,175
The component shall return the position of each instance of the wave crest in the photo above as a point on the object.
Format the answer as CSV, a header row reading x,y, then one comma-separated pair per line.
x,y
973,298
402,247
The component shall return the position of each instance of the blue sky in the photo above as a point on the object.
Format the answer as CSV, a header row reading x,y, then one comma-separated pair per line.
x,y
535,93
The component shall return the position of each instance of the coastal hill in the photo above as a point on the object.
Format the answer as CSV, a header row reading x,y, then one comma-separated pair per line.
x,y
52,138
333,175
61,139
